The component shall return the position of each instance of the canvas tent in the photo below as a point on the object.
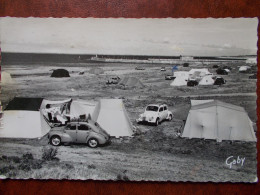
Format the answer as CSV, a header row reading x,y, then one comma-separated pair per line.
x,y
22,119
218,120
6,78
244,68
207,80
199,73
131,82
111,115
29,117
179,81
82,107
183,74
59,73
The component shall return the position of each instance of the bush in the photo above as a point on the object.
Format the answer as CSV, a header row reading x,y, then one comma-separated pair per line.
x,y
15,159
91,166
24,166
120,177
6,169
27,156
49,153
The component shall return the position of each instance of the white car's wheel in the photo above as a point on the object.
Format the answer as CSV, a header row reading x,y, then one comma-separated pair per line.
x,y
156,122
170,117
55,140
92,142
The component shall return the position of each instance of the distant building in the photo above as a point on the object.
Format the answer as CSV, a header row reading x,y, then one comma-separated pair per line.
x,y
186,58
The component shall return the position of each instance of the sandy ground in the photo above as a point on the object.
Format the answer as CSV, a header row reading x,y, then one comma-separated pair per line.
x,y
155,153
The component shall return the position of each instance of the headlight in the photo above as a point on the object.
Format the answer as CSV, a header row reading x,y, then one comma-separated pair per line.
x,y
151,118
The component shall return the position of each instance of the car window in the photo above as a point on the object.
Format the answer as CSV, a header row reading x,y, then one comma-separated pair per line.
x,y
71,127
152,108
83,127
161,109
165,107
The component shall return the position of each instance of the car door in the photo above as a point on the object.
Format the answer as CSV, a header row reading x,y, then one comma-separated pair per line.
x,y
70,129
83,132
165,112
161,113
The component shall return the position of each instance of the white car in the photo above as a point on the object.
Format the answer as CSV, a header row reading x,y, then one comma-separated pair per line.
x,y
155,113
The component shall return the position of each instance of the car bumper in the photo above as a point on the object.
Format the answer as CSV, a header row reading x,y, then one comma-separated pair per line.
x,y
145,119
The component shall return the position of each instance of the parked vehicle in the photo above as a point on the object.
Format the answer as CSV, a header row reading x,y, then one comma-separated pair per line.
x,y
163,69
221,71
169,77
139,68
155,114
192,82
186,64
113,80
88,132
219,81
253,76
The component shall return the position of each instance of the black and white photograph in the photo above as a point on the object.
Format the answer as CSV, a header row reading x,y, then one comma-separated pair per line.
x,y
129,99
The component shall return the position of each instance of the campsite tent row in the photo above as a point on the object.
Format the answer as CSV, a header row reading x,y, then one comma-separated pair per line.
x,y
203,75
23,117
213,119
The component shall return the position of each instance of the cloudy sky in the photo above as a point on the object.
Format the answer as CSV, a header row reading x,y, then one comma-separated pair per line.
x,y
204,37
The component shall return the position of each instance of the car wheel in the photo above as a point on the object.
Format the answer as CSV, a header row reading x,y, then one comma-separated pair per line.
x,y
170,117
55,140
156,122
92,142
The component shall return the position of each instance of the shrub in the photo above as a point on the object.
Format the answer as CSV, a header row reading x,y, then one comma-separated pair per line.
x,y
120,177
15,159
49,153
24,166
91,166
6,169
27,156
36,164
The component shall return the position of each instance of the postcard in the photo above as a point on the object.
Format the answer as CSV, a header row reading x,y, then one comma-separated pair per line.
x,y
129,99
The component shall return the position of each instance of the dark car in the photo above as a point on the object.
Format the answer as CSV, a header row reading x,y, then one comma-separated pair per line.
x,y
163,68
88,132
253,76
221,71
215,66
113,80
169,77
186,65
219,81
192,83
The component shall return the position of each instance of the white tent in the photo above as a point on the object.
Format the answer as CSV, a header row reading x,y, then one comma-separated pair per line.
x,y
111,115
244,68
28,117
184,74
220,121
131,82
179,81
199,73
6,78
82,107
22,119
207,80
197,102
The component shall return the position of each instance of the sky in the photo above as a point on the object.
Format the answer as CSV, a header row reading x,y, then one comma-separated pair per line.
x,y
170,37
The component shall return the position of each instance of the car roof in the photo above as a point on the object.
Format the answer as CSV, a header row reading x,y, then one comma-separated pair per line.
x,y
78,122
158,105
